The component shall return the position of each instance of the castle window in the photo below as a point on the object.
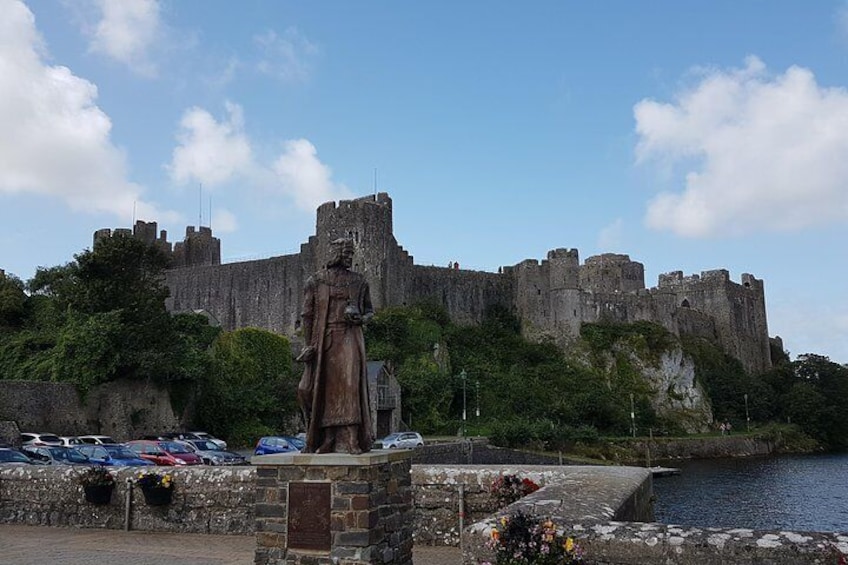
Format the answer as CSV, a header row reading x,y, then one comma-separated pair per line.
x,y
685,303
539,291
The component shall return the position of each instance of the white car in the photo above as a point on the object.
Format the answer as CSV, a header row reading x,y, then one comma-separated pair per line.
x,y
402,439
222,445
71,441
96,439
40,438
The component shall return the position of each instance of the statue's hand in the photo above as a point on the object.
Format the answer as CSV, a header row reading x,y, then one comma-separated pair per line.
x,y
306,354
353,318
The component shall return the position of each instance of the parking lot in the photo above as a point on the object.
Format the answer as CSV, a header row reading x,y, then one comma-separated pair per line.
x,y
37,545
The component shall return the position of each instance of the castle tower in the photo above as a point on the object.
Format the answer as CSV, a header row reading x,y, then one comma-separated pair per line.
x,y
612,272
368,222
198,248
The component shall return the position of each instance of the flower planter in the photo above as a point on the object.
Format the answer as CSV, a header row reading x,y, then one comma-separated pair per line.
x,y
98,494
157,496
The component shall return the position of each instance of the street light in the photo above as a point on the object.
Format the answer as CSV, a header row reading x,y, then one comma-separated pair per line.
x,y
632,416
464,376
747,416
478,399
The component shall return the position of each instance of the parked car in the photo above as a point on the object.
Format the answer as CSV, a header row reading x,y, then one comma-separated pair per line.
x,y
181,451
402,439
274,444
96,439
71,441
13,457
184,436
40,438
55,455
153,452
113,455
298,442
211,455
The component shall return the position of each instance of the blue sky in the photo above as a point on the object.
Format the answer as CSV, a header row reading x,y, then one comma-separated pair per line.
x,y
691,136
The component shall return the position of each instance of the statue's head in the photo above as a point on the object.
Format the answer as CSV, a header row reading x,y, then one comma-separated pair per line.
x,y
341,253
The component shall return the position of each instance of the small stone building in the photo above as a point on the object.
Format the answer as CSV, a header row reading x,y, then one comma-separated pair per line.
x,y
384,390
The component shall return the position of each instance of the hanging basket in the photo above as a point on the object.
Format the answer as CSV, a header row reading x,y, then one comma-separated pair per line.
x,y
98,494
157,496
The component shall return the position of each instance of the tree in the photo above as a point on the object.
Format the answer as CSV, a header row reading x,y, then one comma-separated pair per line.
x,y
12,300
251,388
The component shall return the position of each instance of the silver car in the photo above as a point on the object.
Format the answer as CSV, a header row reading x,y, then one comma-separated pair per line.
x,y
402,439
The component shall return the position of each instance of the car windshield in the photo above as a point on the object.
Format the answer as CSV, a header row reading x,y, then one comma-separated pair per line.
x,y
296,442
204,445
11,456
47,437
391,437
67,454
174,447
120,452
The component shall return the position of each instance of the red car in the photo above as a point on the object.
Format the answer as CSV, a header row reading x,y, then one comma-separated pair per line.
x,y
164,452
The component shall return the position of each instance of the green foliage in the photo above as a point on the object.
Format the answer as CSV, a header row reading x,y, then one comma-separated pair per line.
x,y
12,300
103,318
647,338
251,387
788,438
540,434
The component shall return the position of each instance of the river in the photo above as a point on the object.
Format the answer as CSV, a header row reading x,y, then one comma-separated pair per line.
x,y
790,492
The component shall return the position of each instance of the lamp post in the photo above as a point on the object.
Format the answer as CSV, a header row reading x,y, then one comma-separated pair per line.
x,y
464,376
478,399
747,415
632,416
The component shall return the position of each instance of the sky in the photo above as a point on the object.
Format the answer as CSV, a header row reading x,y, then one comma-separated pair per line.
x,y
690,135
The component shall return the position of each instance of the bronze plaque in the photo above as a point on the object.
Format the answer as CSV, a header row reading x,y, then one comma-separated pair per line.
x,y
309,516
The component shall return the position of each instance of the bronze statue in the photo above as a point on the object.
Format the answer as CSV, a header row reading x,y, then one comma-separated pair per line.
x,y
333,392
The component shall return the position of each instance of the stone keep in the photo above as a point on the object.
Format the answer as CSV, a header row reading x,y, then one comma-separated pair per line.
x,y
552,297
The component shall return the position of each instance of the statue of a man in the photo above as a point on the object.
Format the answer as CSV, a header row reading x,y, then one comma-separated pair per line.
x,y
333,392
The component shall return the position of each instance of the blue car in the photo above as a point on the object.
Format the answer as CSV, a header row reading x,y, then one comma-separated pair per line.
x,y
275,444
113,455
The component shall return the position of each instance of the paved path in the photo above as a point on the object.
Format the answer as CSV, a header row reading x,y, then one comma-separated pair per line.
x,y
37,545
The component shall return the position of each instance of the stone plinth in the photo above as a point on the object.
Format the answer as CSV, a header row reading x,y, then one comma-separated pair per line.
x,y
364,500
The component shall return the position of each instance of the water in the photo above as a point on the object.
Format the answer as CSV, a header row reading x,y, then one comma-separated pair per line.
x,y
793,492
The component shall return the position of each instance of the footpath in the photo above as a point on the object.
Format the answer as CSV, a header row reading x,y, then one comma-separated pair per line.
x,y
39,545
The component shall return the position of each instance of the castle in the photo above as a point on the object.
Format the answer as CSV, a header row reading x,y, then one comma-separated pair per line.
x,y
552,298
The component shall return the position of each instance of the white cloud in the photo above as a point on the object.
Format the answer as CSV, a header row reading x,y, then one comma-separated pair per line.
x,y
126,30
305,178
209,151
610,237
54,139
219,153
288,58
757,152
224,221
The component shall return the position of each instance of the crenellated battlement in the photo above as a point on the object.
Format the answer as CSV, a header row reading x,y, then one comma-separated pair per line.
x,y
552,297
199,247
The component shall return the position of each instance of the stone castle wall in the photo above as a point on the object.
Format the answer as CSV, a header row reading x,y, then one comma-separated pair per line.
x,y
122,409
552,297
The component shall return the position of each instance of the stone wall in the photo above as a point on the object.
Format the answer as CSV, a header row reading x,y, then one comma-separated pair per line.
x,y
598,504
123,409
552,298
211,500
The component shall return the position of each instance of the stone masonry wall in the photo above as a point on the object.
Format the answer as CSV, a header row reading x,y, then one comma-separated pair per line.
x,y
221,501
552,298
123,409
210,500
